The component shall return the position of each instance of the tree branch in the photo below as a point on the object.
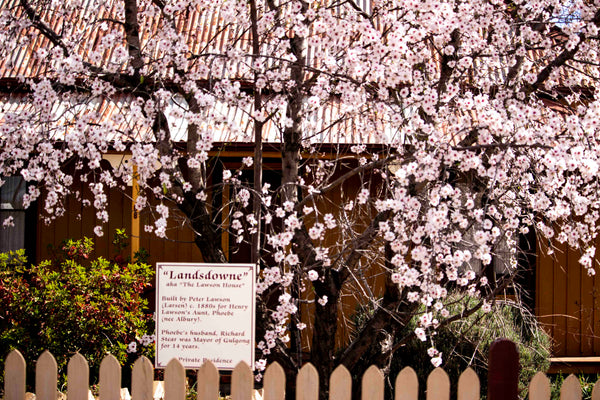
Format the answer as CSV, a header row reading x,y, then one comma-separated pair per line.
x,y
344,178
43,28
358,245
132,35
560,60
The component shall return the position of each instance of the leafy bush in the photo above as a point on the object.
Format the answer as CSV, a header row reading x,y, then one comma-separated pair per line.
x,y
586,381
74,304
466,342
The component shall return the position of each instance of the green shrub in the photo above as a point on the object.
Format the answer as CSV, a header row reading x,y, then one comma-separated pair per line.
x,y
466,342
74,304
586,381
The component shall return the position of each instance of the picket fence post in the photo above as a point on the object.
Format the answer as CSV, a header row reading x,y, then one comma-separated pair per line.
x,y
14,376
503,371
596,390
307,382
570,389
438,385
207,385
174,381
340,384
142,379
407,385
468,385
46,374
78,373
539,387
110,379
274,387
241,382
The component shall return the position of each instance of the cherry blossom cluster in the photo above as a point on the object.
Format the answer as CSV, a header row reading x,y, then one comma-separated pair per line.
x,y
468,123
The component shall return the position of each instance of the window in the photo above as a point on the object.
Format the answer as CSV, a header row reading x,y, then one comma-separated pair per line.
x,y
11,209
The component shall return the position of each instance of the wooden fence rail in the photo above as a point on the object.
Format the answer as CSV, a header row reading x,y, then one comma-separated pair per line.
x,y
242,381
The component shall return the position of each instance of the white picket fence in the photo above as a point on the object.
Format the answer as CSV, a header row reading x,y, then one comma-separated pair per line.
x,y
242,382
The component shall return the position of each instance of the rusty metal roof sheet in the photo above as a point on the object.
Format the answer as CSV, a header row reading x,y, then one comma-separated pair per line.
x,y
121,119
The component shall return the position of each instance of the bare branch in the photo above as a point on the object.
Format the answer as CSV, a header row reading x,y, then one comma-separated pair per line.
x,y
36,20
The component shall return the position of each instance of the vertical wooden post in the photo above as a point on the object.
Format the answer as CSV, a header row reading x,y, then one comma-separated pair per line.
x,y
570,389
340,384
372,385
468,385
78,378
110,378
307,383
46,372
135,216
438,385
596,390
142,377
539,387
407,385
174,380
14,376
241,382
274,387
207,386
503,371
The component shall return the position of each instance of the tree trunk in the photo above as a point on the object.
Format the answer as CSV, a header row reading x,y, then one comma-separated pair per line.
x,y
323,340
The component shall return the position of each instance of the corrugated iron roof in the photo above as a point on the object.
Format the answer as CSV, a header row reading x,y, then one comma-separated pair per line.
x,y
204,32
121,119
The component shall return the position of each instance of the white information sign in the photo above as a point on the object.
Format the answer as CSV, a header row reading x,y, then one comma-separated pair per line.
x,y
205,312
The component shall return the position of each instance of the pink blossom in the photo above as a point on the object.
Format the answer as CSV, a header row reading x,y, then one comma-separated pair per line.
x,y
132,347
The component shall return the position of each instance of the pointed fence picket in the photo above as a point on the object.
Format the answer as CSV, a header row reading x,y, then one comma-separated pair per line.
x,y
274,388
340,384
142,382
78,374
208,382
570,389
539,387
372,384
407,385
307,382
438,385
14,376
468,385
46,373
110,378
241,382
174,381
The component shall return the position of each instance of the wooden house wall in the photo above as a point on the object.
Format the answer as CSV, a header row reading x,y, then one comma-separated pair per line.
x,y
568,303
179,244
367,281
567,300
79,221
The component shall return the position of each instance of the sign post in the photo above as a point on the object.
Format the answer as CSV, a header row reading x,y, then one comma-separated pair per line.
x,y
205,312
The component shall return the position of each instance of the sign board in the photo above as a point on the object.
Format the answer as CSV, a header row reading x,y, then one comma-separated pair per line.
x,y
205,312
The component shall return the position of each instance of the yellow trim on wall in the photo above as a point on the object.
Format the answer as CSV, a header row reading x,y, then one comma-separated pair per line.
x,y
225,221
135,217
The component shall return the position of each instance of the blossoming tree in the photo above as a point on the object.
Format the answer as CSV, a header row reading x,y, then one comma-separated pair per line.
x,y
423,136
